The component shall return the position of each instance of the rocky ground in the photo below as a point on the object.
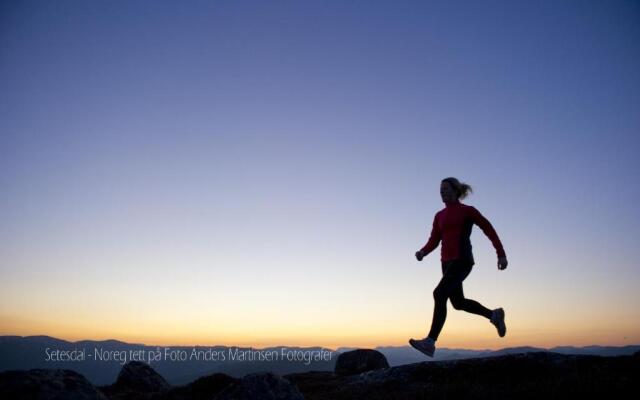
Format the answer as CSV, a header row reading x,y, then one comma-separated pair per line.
x,y
359,374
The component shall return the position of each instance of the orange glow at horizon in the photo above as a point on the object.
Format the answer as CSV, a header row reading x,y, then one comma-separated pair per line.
x,y
456,334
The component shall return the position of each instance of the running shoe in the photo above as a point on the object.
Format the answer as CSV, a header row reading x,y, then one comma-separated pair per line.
x,y
497,319
426,346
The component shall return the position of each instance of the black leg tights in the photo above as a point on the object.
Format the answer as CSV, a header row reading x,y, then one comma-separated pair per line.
x,y
450,287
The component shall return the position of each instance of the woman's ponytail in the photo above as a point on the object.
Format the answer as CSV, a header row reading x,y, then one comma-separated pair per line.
x,y
465,190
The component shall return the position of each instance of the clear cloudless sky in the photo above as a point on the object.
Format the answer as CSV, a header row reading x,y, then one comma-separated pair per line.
x,y
262,173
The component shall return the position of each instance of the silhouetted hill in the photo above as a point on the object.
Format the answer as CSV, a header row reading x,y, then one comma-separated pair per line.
x,y
533,375
361,374
597,350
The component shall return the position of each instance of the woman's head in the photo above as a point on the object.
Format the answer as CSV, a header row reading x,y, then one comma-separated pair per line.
x,y
451,190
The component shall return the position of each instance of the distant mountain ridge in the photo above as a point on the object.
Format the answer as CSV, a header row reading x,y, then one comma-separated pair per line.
x,y
27,352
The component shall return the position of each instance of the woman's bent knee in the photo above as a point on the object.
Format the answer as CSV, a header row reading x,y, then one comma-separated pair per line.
x,y
439,294
457,303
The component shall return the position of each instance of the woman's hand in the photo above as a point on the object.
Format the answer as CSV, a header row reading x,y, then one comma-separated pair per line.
x,y
502,263
419,255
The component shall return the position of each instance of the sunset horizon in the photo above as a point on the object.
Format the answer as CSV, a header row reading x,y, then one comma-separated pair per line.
x,y
454,344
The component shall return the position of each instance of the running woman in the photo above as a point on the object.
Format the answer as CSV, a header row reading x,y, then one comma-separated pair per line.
x,y
453,226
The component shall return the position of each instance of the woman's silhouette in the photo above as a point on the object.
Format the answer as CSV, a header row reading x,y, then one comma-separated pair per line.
x,y
453,226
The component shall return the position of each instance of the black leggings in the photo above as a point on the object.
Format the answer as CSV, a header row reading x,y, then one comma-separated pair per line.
x,y
450,287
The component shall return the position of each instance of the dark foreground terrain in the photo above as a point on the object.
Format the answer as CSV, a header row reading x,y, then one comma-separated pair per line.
x,y
363,374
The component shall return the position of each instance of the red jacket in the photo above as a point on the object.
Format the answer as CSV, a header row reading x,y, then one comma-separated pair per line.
x,y
453,226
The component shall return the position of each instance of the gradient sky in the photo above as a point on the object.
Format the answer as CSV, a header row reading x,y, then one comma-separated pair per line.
x,y
262,173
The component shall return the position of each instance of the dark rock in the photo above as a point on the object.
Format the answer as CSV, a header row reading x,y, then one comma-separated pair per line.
x,y
316,384
358,361
47,384
523,376
139,376
137,380
261,386
203,388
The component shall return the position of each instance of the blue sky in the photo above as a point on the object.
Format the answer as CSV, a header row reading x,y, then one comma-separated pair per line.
x,y
164,165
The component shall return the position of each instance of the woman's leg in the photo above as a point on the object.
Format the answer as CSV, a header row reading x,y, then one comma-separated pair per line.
x,y
439,310
448,284
459,302
450,287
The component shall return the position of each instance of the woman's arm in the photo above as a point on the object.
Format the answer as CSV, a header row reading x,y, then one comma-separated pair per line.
x,y
488,230
433,241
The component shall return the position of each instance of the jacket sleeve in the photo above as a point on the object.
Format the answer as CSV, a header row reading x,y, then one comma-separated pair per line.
x,y
488,230
434,239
